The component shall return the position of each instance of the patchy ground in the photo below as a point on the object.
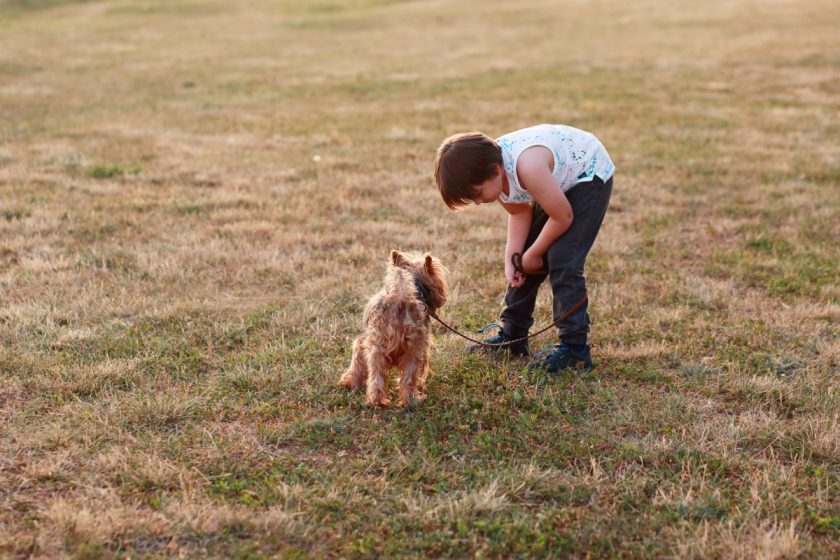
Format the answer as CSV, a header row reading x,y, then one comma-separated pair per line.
x,y
196,199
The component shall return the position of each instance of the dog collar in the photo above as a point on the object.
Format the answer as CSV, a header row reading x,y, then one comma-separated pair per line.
x,y
423,292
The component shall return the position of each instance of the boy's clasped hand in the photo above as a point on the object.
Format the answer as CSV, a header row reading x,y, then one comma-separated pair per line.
x,y
523,264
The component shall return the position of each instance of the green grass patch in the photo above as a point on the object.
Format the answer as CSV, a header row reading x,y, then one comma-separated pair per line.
x,y
105,171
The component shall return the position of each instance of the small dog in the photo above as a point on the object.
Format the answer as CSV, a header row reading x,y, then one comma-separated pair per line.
x,y
398,329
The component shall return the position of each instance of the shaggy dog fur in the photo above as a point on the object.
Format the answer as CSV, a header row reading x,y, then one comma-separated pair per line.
x,y
398,329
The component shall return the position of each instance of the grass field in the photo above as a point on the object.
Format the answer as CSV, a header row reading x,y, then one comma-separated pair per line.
x,y
197,198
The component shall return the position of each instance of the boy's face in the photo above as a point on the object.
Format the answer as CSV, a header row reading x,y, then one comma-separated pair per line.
x,y
489,190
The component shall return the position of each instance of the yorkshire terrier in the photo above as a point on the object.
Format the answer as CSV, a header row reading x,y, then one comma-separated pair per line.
x,y
397,329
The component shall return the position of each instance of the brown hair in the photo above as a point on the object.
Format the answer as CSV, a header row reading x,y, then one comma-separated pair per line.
x,y
463,162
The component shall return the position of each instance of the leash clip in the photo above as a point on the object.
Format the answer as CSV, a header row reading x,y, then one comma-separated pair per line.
x,y
516,260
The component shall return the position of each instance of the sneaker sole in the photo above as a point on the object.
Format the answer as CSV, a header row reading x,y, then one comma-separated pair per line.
x,y
577,366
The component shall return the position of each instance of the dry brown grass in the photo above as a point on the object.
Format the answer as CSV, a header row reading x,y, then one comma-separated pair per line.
x,y
180,278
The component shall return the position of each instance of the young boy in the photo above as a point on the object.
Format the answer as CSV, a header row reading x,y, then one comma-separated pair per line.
x,y
555,183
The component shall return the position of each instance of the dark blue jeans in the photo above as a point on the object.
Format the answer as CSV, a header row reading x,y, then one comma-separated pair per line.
x,y
566,259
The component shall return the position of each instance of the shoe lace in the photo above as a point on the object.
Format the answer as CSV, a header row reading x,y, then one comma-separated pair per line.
x,y
490,327
547,350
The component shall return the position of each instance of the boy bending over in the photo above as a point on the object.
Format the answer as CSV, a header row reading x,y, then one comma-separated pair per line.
x,y
555,183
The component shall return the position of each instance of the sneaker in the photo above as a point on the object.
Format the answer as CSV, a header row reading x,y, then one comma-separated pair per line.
x,y
517,349
558,357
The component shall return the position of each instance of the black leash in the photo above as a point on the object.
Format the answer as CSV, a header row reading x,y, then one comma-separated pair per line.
x,y
577,306
516,258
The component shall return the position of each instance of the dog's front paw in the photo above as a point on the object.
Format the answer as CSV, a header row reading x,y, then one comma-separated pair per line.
x,y
381,402
412,399
376,394
349,381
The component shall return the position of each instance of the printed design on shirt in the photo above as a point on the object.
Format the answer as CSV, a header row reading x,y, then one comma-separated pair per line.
x,y
559,159
589,173
508,146
579,156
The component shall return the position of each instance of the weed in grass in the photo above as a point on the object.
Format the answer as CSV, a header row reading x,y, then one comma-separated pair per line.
x,y
111,171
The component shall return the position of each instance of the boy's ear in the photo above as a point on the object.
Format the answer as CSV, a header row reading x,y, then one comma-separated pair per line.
x,y
399,259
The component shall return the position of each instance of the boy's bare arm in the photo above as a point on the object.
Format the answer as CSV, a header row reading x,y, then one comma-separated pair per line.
x,y
535,175
519,224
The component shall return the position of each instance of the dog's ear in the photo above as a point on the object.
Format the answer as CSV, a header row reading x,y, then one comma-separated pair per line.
x,y
399,259
433,267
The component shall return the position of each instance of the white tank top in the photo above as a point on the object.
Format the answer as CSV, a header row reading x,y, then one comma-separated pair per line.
x,y
579,157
